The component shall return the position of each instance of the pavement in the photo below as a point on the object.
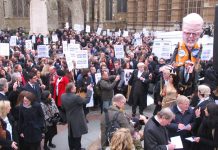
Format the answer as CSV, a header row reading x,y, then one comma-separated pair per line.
x,y
91,140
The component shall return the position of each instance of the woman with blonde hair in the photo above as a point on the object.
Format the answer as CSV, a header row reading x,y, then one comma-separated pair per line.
x,y
6,142
122,140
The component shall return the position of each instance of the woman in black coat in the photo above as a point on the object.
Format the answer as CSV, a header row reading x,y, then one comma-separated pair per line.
x,y
31,122
207,136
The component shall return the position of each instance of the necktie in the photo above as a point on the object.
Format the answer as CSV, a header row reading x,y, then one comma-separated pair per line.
x,y
186,77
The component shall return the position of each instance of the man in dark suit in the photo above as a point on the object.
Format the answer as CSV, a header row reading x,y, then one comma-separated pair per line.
x,y
33,86
186,80
155,132
204,92
73,106
3,89
139,82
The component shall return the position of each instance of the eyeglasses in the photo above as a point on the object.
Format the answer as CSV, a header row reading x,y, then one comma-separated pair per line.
x,y
189,34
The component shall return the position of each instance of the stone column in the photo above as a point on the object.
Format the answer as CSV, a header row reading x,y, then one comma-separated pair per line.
x,y
38,17
77,12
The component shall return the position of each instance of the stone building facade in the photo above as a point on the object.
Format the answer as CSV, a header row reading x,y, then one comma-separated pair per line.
x,y
108,14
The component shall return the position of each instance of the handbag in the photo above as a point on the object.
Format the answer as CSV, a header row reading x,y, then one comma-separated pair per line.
x,y
2,131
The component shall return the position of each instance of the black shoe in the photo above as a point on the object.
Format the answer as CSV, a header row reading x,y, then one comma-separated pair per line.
x,y
46,147
52,145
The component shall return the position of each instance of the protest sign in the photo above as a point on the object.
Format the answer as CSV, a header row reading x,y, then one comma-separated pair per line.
x,y
127,75
42,51
99,31
45,41
70,61
207,51
91,102
54,38
76,27
13,41
82,59
4,49
97,77
33,39
162,49
119,51
28,44
67,25
88,28
125,33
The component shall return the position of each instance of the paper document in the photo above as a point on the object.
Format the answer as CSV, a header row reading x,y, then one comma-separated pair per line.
x,y
191,139
185,127
177,142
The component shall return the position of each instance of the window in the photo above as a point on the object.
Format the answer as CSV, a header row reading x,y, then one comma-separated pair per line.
x,y
121,6
20,8
109,8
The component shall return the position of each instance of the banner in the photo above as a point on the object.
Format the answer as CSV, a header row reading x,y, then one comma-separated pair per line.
x,y
119,51
42,51
13,41
4,49
28,44
82,59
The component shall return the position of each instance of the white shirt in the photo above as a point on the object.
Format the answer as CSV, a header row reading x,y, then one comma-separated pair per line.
x,y
139,74
9,128
58,81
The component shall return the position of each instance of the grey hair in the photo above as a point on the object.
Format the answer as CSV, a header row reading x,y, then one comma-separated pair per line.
x,y
69,87
166,113
118,98
3,83
15,76
182,99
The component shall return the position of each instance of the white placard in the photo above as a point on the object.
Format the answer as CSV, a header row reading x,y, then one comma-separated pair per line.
x,y
13,41
67,25
45,41
72,48
33,39
72,41
76,27
119,51
117,34
108,32
88,28
145,32
4,49
127,75
42,51
54,38
177,142
125,33
91,102
99,31
150,100
162,49
82,59
64,43
207,52
138,42
104,33
97,77
137,35
69,61
28,44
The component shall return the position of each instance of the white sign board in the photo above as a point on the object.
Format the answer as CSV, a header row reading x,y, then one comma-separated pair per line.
x,y
64,43
207,52
77,27
42,51
88,28
162,49
28,44
13,41
33,39
119,51
70,61
82,59
99,31
91,102
125,33
54,38
4,49
45,41
97,77
72,41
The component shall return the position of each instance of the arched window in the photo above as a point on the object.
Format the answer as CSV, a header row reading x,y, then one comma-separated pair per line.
x,y
121,6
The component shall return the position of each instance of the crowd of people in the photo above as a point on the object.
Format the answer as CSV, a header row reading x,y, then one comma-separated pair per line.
x,y
37,93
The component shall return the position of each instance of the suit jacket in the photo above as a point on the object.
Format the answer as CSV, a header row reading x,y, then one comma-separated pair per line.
x,y
3,97
37,91
73,106
155,136
139,88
